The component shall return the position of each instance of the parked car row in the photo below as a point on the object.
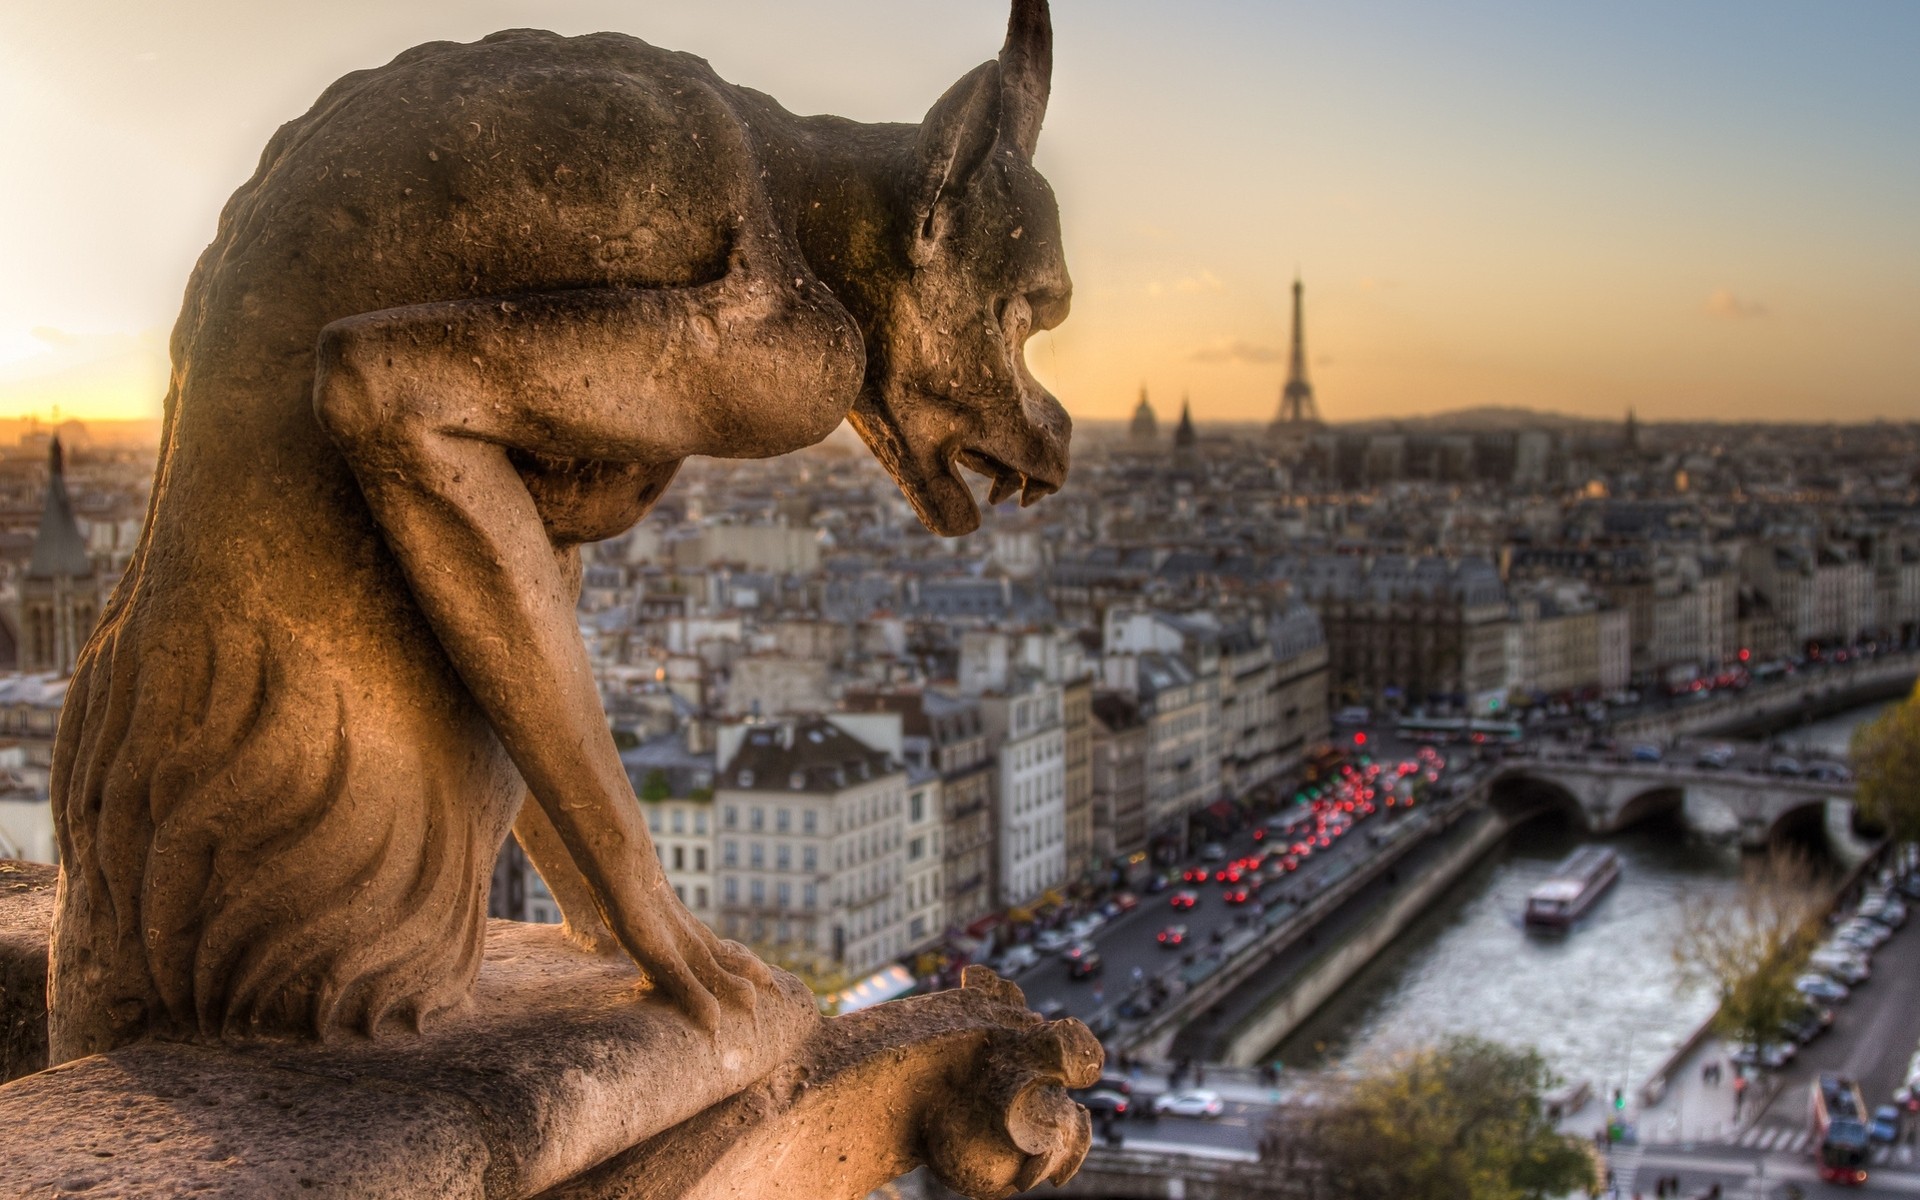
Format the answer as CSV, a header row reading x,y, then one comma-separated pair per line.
x,y
1844,958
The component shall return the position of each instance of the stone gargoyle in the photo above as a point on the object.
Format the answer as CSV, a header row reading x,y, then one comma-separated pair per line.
x,y
470,313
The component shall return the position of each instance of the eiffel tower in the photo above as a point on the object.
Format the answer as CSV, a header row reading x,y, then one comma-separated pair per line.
x,y
1299,414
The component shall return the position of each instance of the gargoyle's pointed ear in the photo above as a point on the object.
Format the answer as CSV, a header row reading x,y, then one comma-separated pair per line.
x,y
1026,72
956,136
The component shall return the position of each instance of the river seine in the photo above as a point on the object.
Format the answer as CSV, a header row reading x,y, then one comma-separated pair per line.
x,y
1602,1003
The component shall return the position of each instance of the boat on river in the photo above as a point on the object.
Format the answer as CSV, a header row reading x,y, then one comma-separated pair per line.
x,y
1576,883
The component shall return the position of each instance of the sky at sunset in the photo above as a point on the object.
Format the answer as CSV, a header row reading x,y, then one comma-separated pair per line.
x,y
1698,210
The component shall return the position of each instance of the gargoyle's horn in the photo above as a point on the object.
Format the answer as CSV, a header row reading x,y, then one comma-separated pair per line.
x,y
1026,73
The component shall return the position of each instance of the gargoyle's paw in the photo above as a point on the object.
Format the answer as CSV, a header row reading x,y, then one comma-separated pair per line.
x,y
743,962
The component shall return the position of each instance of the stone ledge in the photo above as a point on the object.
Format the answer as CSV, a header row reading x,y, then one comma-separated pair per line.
x,y
26,914
562,1079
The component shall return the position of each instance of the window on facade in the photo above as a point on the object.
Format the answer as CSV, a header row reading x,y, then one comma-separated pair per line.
x,y
756,855
809,821
731,889
916,849
699,858
809,896
653,819
782,820
730,853
700,897
680,860
700,821
756,818
785,894
809,859
679,821
783,857
730,817
757,889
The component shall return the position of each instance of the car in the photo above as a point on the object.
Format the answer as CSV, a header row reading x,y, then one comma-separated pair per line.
x,y
1087,926
1646,752
1213,852
1196,1102
1228,875
1860,930
1807,1024
1818,987
1236,895
1195,875
1052,1009
1116,1083
1086,966
1184,898
1849,969
1103,1103
1890,913
1126,902
1715,758
1784,764
1172,937
1140,1004
1772,1056
1886,1124
1053,941
1077,951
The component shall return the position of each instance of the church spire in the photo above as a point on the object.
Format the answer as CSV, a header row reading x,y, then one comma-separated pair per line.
x,y
59,550
1184,435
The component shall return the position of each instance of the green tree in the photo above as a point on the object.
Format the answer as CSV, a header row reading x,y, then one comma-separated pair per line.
x,y
1747,947
655,786
1462,1120
1886,768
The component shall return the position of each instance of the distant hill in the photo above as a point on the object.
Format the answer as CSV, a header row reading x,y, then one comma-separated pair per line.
x,y
1487,419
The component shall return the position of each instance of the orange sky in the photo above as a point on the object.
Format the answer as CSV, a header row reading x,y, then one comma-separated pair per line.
x,y
1703,212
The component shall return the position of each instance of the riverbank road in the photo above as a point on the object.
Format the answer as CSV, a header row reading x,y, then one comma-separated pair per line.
x,y
1873,1034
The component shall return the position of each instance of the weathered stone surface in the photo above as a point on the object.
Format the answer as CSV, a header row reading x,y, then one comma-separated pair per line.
x,y
560,1061
26,910
472,310
556,1082
967,1081
164,1121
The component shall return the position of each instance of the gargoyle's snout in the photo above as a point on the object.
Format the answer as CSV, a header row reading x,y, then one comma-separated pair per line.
x,y
1027,455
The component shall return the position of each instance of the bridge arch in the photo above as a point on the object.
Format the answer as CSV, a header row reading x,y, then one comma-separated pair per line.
x,y
1658,801
1521,796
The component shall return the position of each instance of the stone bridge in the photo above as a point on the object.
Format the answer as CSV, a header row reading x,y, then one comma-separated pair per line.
x,y
1605,795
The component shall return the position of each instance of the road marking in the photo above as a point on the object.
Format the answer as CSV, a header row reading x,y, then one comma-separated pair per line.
x,y
1799,1144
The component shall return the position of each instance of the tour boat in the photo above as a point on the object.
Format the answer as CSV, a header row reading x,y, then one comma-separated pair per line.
x,y
1575,885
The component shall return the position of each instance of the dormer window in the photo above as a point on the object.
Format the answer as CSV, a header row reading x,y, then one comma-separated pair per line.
x,y
744,777
797,781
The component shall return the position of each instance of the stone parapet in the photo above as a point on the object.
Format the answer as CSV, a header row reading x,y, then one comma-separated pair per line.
x,y
563,1077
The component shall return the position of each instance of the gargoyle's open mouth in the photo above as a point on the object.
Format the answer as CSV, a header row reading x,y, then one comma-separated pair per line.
x,y
923,450
1006,480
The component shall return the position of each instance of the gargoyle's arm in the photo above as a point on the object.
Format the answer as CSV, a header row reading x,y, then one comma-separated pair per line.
x,y
425,403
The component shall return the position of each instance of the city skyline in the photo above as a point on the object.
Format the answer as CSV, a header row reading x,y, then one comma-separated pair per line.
x,y
1690,214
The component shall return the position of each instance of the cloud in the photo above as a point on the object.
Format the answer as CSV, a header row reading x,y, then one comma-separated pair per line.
x,y
1729,307
1233,350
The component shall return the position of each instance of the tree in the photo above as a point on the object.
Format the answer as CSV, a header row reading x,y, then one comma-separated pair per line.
x,y
1462,1120
1747,947
1886,768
